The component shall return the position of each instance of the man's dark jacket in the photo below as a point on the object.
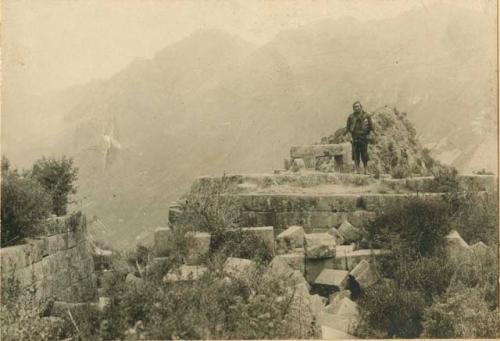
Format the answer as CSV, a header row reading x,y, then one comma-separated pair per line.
x,y
359,125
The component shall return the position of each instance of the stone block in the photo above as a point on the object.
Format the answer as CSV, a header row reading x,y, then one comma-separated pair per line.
x,y
456,247
339,238
185,273
173,215
361,218
328,333
319,245
35,249
317,304
337,296
481,250
252,218
297,165
162,240
291,238
198,247
57,242
329,281
349,232
296,260
349,259
343,306
239,267
315,266
343,323
365,274
145,240
13,258
264,233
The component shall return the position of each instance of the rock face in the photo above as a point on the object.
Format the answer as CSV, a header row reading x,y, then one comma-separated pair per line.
x,y
291,238
319,245
330,281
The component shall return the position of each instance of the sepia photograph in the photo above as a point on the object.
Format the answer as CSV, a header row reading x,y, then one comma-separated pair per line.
x,y
249,170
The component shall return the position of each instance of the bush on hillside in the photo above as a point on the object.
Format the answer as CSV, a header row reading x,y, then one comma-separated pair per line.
x,y
24,205
58,177
390,312
461,313
417,226
210,207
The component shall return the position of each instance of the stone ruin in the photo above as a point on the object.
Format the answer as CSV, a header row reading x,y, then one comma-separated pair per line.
x,y
314,212
315,223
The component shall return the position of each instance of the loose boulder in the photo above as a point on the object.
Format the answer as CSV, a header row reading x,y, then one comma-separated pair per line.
x,y
330,281
456,247
239,267
339,239
349,232
365,274
295,260
291,238
319,245
162,240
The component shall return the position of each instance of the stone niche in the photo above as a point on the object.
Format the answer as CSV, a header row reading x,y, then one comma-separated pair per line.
x,y
314,155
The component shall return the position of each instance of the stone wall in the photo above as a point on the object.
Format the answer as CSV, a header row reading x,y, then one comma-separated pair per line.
x,y
59,264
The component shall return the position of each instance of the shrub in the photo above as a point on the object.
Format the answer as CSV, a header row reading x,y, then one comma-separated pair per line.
x,y
390,312
210,206
461,314
416,226
236,243
58,178
20,313
25,203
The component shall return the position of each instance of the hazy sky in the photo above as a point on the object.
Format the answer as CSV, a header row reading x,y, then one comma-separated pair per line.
x,y
49,45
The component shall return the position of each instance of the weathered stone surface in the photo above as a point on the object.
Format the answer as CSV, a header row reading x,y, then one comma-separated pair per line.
x,y
330,281
343,306
252,218
337,296
13,258
173,215
349,232
349,259
198,247
315,266
185,273
57,242
317,304
279,267
480,249
264,233
365,274
334,334
360,218
343,323
319,245
456,247
339,238
297,165
295,260
291,238
239,267
162,240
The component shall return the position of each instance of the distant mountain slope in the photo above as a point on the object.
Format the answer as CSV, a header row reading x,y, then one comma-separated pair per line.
x,y
212,103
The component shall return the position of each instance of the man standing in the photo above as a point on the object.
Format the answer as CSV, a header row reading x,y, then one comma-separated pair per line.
x,y
359,125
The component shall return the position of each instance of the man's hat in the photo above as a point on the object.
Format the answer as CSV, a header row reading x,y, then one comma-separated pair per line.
x,y
357,102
